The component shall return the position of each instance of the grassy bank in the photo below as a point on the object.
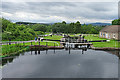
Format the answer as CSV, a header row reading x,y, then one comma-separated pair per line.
x,y
54,37
48,43
8,50
111,43
92,37
12,49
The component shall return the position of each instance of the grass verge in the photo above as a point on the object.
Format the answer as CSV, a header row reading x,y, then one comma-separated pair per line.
x,y
111,43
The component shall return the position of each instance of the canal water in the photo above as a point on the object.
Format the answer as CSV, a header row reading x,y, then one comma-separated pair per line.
x,y
61,64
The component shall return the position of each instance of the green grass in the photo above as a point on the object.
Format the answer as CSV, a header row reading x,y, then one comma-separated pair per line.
x,y
11,49
54,37
111,43
47,33
8,50
51,43
92,38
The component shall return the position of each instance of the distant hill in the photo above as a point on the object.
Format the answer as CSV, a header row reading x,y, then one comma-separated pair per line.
x,y
30,23
94,24
99,24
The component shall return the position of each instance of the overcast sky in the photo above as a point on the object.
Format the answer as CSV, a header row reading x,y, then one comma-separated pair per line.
x,y
50,12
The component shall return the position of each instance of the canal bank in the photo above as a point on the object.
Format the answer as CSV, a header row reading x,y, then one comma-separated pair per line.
x,y
14,53
104,48
77,41
68,46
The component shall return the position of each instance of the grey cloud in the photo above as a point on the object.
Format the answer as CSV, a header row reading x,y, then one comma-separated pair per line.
x,y
65,9
102,6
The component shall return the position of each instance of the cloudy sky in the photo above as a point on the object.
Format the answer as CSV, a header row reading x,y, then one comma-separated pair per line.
x,y
50,12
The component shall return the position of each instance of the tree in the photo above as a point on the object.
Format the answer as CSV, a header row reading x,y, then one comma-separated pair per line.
x,y
39,27
71,28
5,22
77,27
116,22
63,22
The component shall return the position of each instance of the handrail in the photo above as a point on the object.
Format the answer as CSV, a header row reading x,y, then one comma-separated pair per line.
x,y
6,42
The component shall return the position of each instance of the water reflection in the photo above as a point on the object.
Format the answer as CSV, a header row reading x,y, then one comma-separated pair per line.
x,y
10,59
39,52
77,64
7,60
117,53
31,52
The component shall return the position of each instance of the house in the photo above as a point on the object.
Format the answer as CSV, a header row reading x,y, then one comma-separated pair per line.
x,y
110,32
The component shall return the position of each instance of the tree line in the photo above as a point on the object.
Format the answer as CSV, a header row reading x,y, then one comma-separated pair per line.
x,y
75,28
15,31
116,22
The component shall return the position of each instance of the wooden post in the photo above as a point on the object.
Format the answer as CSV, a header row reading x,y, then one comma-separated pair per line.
x,y
69,48
31,43
38,51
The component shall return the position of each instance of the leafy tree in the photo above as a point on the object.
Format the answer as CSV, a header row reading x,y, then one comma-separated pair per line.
x,y
63,22
116,22
77,27
5,22
39,27
71,27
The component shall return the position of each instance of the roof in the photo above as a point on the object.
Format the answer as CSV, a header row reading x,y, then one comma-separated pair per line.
x,y
112,28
